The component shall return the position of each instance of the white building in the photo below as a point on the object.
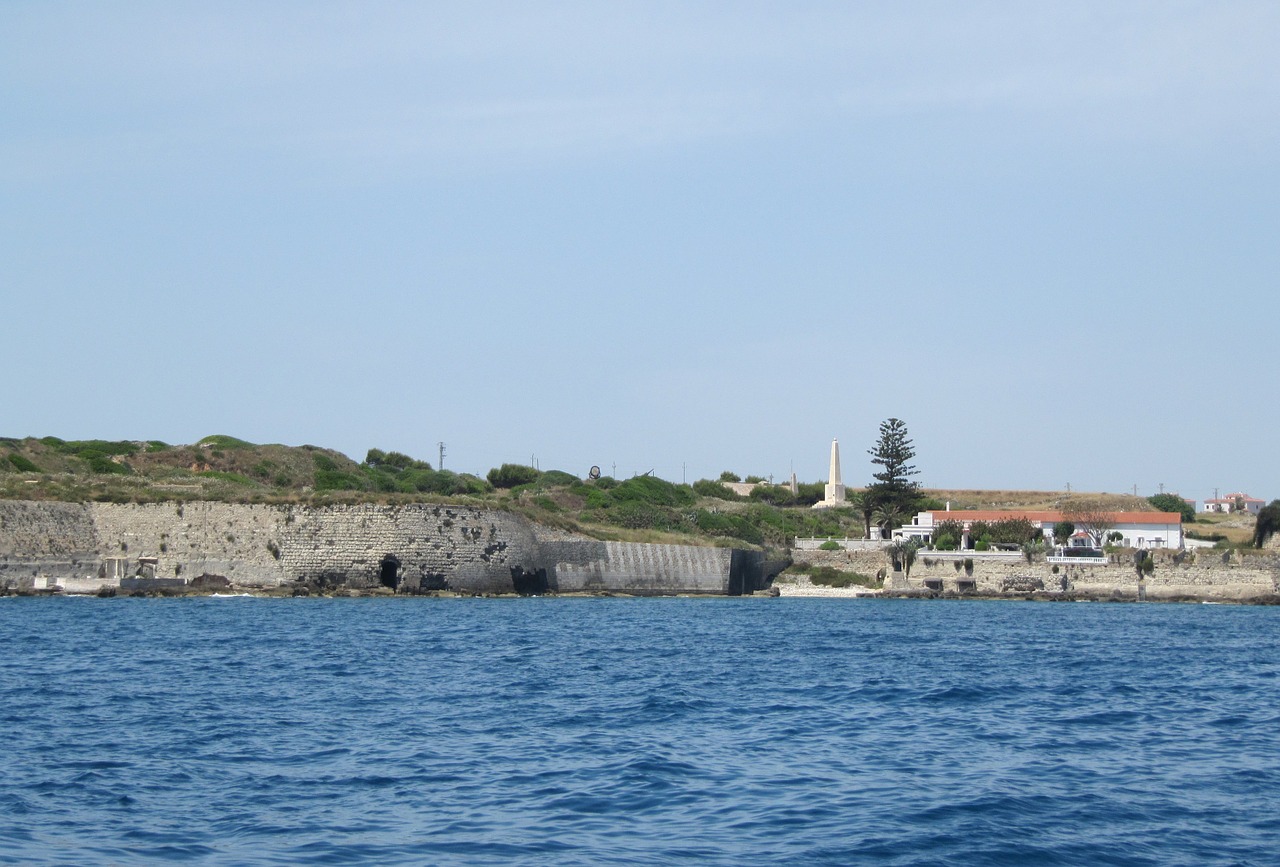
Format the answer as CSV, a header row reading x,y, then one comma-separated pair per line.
x,y
1137,529
1237,502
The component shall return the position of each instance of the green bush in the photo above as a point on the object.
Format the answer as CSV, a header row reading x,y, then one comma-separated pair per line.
x,y
946,542
222,441
733,526
729,476
825,576
651,489
335,480
510,475
776,495
102,464
22,464
639,515
556,479
1013,531
830,545
952,530
708,488
754,480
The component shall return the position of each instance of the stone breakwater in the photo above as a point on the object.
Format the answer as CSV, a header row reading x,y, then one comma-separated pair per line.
x,y
1206,574
84,548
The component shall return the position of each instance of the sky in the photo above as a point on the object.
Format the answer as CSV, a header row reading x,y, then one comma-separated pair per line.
x,y
681,237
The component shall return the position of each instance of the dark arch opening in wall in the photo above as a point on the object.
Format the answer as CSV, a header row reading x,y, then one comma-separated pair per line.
x,y
389,572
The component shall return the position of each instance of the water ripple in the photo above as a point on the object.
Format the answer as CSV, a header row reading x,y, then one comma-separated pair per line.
x,y
618,731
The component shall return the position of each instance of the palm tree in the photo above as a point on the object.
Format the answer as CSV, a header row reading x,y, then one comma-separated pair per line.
x,y
888,516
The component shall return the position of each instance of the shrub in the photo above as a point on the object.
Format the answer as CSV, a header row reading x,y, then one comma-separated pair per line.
x,y
735,526
825,576
510,475
639,515
754,480
557,479
809,493
102,464
776,495
1012,531
222,441
952,530
708,488
651,489
335,480
22,464
729,476
982,545
946,542
830,545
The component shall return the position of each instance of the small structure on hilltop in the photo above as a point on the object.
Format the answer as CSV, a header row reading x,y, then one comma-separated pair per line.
x,y
833,495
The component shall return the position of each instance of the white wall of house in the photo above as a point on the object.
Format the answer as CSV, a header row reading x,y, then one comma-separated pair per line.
x,y
1135,534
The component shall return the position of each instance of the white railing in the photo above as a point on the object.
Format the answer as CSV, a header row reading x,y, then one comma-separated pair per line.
x,y
1079,561
950,556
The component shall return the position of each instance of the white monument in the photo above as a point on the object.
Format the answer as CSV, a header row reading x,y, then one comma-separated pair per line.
x,y
834,493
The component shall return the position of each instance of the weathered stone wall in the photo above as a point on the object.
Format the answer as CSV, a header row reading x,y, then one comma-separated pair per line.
x,y
412,547
651,569
1207,574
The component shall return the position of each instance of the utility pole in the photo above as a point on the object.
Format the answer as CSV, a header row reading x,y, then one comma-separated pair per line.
x,y
440,466
614,474
1162,487
682,478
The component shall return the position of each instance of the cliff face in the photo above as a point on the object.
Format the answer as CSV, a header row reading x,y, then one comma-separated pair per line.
x,y
407,548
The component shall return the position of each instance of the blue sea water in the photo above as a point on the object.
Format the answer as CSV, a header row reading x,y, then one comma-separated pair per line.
x,y
637,731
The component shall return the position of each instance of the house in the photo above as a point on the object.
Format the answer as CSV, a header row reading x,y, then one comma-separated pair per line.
x,y
1136,529
1237,502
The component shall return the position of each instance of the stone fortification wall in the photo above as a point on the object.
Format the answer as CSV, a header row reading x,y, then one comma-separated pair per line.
x,y
431,547
648,569
1207,574
410,547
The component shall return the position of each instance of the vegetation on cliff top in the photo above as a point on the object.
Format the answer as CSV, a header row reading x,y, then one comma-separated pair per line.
x,y
644,508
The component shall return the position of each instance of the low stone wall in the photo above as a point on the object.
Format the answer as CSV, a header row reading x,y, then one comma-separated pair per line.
x,y
413,548
1200,574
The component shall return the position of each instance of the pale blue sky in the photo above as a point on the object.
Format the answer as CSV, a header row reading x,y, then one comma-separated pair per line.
x,y
655,234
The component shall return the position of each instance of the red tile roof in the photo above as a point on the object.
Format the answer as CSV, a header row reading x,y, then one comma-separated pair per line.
x,y
1047,517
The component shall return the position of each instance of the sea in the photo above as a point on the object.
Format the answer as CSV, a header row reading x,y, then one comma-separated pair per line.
x,y
247,730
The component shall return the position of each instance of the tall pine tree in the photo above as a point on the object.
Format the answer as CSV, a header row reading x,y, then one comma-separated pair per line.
x,y
893,492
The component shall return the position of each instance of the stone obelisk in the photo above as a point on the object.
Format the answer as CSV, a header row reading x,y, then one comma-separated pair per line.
x,y
834,493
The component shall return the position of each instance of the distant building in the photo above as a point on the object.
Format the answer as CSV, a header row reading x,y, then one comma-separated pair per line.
x,y
1237,502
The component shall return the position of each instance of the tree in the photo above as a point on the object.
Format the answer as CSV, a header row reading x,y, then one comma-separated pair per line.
x,y
1092,517
730,476
1268,523
1173,503
1063,531
893,490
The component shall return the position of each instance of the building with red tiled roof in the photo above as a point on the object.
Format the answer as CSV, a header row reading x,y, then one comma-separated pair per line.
x,y
1237,502
1137,529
